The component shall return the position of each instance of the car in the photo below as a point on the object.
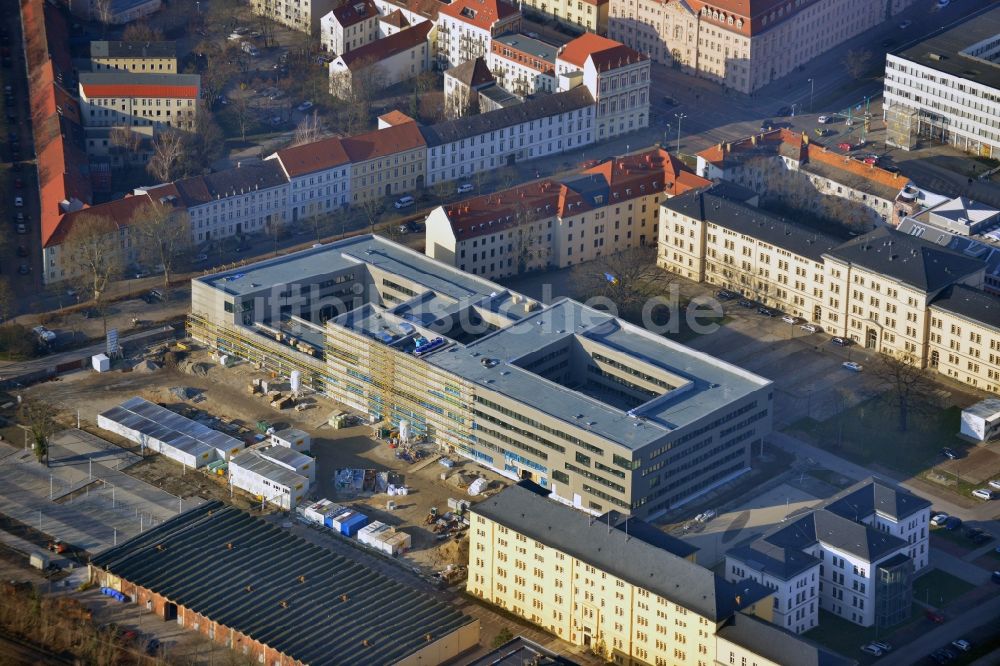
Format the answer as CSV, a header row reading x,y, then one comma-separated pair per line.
x,y
155,295
981,538
882,645
972,532
852,366
669,101
24,269
810,328
841,342
745,302
153,647
891,169
43,333
766,126
21,229
706,516
784,111
953,523
822,131
201,257
465,187
19,217
725,295
767,312
843,145
22,251
962,644
994,484
983,494
939,519
404,202
823,120
304,106
950,453
872,650
942,656
140,273
18,202
870,159
789,319
276,121
937,617
905,24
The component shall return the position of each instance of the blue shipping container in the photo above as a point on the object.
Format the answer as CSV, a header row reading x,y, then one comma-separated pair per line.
x,y
351,526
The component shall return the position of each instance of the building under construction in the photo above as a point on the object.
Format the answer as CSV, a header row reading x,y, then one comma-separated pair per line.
x,y
568,396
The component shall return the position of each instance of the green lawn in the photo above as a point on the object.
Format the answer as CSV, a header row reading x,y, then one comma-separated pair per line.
x,y
845,637
939,588
855,434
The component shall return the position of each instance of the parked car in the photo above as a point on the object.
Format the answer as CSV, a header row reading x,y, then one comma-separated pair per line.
x,y
882,645
725,295
706,516
43,333
953,523
937,617
962,645
201,257
767,312
942,656
950,453
465,187
939,519
851,365
994,484
872,650
809,328
24,269
766,126
870,159
843,145
983,494
905,24
304,106
669,101
823,120
784,111
21,229
822,131
153,647
789,319
404,202
841,342
18,202
22,251
745,302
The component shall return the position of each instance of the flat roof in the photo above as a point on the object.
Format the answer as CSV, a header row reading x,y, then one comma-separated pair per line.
x,y
169,427
529,45
283,454
253,461
943,52
676,579
307,602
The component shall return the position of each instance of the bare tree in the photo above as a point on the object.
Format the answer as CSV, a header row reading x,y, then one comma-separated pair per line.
x,y
126,143
309,130
908,388
162,234
36,416
856,62
168,151
372,208
627,278
205,145
358,86
103,12
92,254
275,229
243,110
141,31
8,302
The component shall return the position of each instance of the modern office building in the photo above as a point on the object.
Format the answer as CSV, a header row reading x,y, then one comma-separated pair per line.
x,y
854,556
946,88
620,587
742,44
600,412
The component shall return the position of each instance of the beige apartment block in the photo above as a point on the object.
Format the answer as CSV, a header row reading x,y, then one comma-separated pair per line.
x,y
303,15
884,290
742,44
588,15
387,162
136,57
965,337
607,208
616,585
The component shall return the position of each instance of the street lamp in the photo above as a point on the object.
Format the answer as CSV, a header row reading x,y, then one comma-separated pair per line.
x,y
812,89
679,117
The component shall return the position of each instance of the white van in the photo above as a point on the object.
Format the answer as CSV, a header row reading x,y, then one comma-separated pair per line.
x,y
464,187
983,493
404,202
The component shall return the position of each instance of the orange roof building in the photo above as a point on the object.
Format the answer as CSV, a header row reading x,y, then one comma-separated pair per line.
x,y
466,28
119,98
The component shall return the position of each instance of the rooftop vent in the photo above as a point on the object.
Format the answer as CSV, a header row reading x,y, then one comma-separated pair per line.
x,y
936,56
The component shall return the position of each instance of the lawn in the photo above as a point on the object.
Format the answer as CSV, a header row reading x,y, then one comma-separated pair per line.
x,y
850,434
847,638
938,588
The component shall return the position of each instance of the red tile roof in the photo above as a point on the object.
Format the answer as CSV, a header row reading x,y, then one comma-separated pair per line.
x,y
373,52
312,157
620,179
379,143
756,15
772,141
93,91
606,53
395,117
395,19
355,11
119,211
870,172
480,13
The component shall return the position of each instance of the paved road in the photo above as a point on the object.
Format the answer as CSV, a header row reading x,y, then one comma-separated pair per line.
x,y
954,629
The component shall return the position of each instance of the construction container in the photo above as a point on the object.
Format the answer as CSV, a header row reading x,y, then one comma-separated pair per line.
x,y
370,534
39,560
458,505
390,505
396,544
316,512
350,525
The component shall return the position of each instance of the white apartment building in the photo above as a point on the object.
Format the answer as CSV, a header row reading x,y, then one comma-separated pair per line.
x,y
247,199
349,26
947,88
319,177
125,99
855,556
382,63
617,76
541,126
413,12
266,480
466,28
302,15
745,44
523,65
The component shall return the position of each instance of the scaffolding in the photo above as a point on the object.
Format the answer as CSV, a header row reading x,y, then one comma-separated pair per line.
x,y
901,126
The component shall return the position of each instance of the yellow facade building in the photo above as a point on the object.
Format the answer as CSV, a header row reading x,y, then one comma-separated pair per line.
x,y
621,587
135,57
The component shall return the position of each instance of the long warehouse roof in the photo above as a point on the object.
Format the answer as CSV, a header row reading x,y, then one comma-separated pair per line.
x,y
180,432
307,602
